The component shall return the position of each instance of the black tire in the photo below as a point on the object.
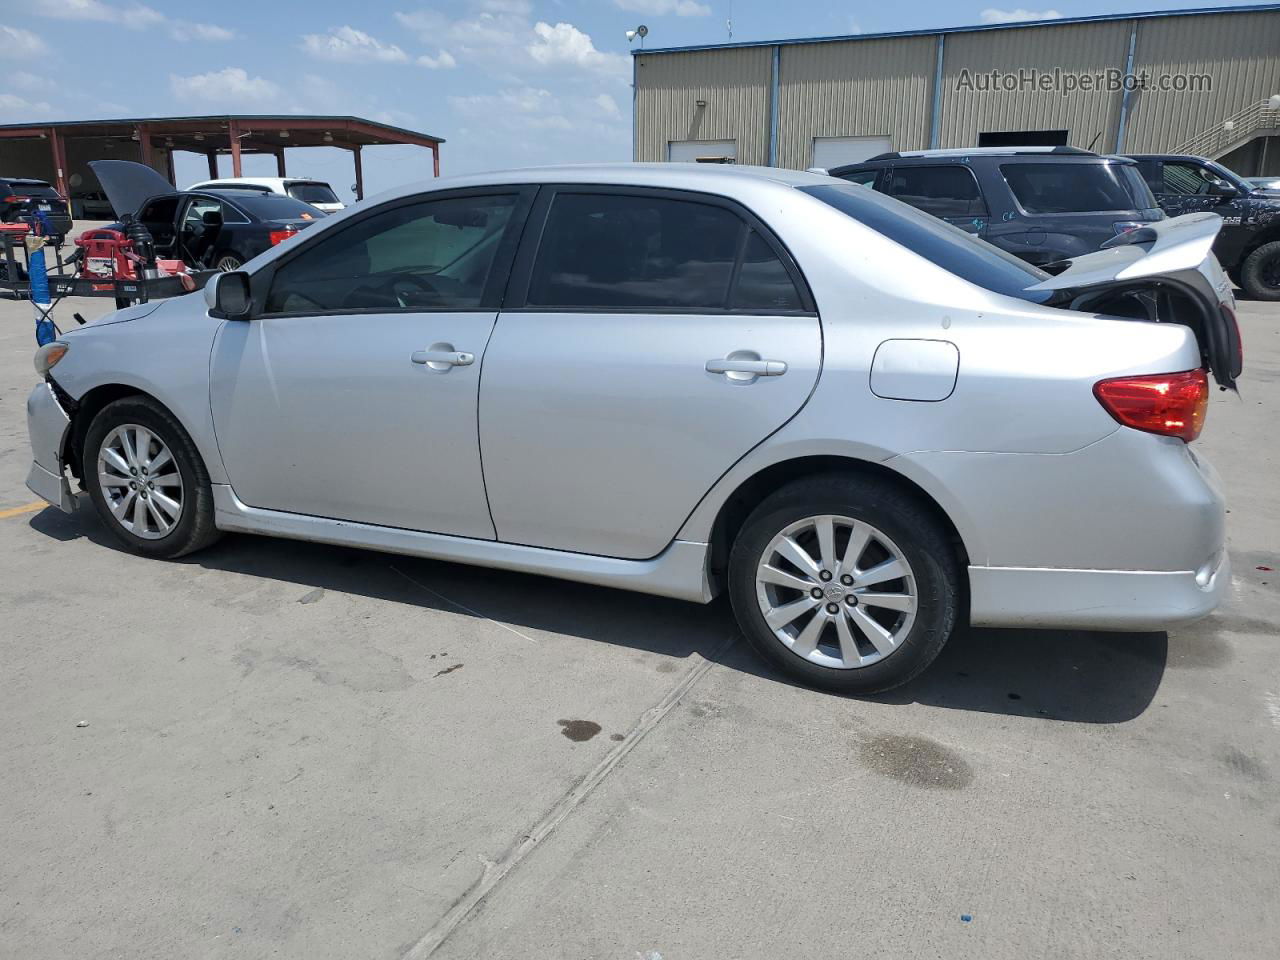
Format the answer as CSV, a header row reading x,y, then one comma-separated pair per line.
x,y
194,528
900,515
228,263
1260,272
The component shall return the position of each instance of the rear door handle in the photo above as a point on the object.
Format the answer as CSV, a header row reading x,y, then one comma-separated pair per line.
x,y
753,368
442,356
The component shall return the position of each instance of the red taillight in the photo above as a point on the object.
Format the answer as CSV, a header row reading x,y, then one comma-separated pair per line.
x,y
1170,404
11,200
279,236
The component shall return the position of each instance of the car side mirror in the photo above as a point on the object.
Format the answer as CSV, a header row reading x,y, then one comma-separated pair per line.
x,y
1220,188
228,296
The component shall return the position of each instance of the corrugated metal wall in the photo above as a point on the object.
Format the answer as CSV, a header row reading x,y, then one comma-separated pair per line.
x,y
859,88
1089,48
883,87
1240,51
735,85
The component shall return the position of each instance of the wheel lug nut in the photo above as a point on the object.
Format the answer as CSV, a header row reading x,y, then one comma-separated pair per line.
x,y
847,580
815,593
832,608
824,576
133,485
851,600
133,471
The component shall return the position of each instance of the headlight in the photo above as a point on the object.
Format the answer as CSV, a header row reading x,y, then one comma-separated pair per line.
x,y
47,357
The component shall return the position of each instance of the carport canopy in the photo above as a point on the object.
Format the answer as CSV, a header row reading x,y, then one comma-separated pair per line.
x,y
156,138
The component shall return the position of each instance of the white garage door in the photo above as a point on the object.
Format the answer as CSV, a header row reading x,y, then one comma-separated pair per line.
x,y
831,152
702,151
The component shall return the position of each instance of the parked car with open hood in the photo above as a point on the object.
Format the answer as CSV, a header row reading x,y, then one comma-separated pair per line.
x,y
23,197
1248,246
859,421
218,229
1042,204
315,192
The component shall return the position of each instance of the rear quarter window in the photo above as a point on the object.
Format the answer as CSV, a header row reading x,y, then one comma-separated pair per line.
x,y
272,206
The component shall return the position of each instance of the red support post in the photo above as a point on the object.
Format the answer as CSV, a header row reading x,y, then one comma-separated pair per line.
x,y
233,131
435,159
168,163
59,149
143,132
355,153
280,162
212,157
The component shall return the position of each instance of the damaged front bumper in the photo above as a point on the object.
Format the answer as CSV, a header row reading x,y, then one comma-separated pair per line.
x,y
47,426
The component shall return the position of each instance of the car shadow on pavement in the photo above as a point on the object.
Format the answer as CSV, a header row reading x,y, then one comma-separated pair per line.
x,y
1075,676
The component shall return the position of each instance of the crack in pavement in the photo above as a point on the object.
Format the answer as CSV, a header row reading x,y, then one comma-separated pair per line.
x,y
495,871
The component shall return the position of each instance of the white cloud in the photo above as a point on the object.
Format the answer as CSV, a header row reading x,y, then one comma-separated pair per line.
x,y
660,8
18,43
994,15
507,6
16,107
230,85
443,60
135,16
607,105
203,31
349,45
565,44
27,81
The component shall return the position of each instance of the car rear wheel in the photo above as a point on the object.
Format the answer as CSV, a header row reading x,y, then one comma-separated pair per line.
x,y
1260,273
147,481
228,263
845,583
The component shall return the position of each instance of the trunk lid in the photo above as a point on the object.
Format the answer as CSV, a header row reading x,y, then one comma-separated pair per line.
x,y
1164,272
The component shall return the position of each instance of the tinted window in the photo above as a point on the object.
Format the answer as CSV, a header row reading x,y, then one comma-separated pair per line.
x,y
949,191
1186,179
312,193
1077,187
936,240
608,251
1150,170
763,282
159,211
432,255
863,178
197,209
272,206
33,190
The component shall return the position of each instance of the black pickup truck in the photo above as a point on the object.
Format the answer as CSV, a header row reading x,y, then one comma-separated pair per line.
x,y
1249,244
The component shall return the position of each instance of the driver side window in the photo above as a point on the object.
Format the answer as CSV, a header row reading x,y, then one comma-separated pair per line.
x,y
433,255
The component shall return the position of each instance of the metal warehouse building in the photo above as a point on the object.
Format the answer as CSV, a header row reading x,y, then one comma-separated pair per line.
x,y
1203,82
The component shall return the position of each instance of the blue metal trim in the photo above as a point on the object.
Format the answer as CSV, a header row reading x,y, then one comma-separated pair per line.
x,y
1097,18
775,90
1123,122
935,121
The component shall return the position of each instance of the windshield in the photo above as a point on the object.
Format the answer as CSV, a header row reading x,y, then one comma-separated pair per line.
x,y
936,240
313,193
272,206
1077,187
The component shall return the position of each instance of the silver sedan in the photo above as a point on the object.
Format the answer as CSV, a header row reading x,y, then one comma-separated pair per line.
x,y
860,422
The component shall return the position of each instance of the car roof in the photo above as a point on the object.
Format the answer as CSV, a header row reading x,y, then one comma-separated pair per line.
x,y
265,182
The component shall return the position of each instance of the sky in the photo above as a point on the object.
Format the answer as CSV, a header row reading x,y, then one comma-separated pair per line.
x,y
506,82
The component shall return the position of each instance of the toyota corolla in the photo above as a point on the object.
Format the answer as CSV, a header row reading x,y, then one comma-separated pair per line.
x,y
859,422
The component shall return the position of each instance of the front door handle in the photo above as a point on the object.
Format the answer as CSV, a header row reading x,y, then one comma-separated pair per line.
x,y
747,368
442,356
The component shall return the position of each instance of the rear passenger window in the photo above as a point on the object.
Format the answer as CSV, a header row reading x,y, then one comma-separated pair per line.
x,y
608,251
863,178
636,252
764,285
942,191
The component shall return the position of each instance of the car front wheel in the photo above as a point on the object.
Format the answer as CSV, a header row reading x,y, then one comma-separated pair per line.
x,y
845,583
147,481
228,263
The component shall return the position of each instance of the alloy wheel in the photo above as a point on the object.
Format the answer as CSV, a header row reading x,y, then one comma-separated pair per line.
x,y
140,481
836,591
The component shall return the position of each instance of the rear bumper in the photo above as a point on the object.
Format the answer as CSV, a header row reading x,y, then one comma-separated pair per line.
x,y
1096,599
47,426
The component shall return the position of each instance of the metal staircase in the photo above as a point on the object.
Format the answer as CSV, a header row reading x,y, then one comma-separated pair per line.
x,y
1234,131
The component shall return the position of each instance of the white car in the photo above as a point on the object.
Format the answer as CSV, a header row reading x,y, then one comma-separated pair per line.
x,y
315,192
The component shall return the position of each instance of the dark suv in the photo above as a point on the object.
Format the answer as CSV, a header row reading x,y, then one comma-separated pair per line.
x,y
1042,204
1248,246
20,198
